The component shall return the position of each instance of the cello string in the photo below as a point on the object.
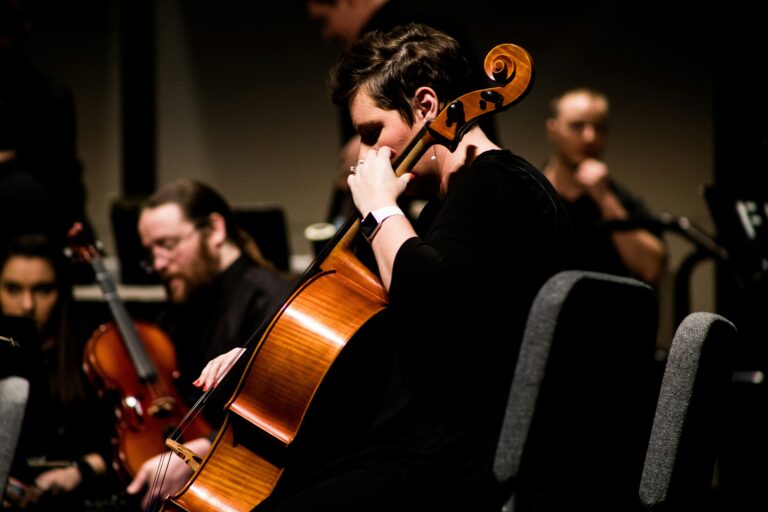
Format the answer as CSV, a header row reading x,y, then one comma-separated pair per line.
x,y
158,480
197,408
193,412
186,421
132,334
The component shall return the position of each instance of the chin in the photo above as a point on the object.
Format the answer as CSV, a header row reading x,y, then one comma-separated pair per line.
x,y
176,292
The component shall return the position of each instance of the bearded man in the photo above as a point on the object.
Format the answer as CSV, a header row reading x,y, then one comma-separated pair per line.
x,y
219,292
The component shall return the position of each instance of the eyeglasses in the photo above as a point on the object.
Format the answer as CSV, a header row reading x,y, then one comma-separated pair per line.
x,y
164,248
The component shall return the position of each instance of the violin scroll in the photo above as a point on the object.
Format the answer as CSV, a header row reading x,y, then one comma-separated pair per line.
x,y
79,248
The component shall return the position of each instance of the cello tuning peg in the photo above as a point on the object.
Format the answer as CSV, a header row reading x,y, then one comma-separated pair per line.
x,y
493,97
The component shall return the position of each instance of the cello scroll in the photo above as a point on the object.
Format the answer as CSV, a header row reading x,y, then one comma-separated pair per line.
x,y
507,64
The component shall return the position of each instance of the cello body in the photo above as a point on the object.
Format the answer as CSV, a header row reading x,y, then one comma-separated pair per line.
x,y
334,299
285,371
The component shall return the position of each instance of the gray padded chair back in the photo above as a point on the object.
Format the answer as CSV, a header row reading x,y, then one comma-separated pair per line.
x,y
14,392
687,428
581,402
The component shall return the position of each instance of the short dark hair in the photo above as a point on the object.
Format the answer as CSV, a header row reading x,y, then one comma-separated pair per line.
x,y
392,65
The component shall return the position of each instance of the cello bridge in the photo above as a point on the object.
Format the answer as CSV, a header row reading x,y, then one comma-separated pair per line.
x,y
191,459
161,407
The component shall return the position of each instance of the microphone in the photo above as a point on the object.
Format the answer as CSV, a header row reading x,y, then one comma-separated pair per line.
x,y
666,222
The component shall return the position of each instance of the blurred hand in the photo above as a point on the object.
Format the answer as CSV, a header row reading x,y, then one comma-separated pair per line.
x,y
217,368
592,174
173,471
59,480
19,495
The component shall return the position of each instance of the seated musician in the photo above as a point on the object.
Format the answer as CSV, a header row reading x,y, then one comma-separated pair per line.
x,y
460,283
64,450
219,287
577,128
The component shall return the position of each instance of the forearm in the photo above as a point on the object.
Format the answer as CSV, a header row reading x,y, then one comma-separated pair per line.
x,y
394,231
643,253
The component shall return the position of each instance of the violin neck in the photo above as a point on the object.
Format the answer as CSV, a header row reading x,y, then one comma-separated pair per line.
x,y
142,363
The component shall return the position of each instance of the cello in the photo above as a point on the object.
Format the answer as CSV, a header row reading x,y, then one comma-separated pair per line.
x,y
294,352
136,361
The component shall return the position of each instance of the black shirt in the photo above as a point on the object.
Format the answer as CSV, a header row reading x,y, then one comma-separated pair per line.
x,y
218,318
594,249
459,299
42,110
26,206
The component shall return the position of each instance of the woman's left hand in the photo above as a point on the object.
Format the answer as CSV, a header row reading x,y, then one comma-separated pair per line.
x,y
374,184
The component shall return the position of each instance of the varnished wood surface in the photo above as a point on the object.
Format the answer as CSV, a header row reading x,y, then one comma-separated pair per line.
x,y
108,364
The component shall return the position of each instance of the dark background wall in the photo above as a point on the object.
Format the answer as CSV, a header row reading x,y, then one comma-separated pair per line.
x,y
239,99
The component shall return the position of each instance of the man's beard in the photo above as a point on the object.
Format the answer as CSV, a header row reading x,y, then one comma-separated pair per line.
x,y
199,277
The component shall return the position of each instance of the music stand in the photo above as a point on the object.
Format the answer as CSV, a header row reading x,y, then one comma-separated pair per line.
x,y
266,224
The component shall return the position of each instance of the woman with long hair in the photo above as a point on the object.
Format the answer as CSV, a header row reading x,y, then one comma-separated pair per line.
x,y
64,450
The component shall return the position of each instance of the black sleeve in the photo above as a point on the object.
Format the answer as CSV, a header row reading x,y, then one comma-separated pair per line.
x,y
638,210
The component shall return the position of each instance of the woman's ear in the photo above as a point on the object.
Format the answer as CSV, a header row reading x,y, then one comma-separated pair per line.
x,y
426,103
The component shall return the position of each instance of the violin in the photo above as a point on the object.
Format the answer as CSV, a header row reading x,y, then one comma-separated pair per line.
x,y
135,362
298,345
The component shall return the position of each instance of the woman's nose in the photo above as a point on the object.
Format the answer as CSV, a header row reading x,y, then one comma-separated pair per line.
x,y
27,302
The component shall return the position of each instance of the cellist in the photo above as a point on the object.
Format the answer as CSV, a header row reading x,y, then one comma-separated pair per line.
x,y
459,282
219,291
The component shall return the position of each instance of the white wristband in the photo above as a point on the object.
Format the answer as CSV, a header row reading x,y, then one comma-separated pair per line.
x,y
372,222
386,211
